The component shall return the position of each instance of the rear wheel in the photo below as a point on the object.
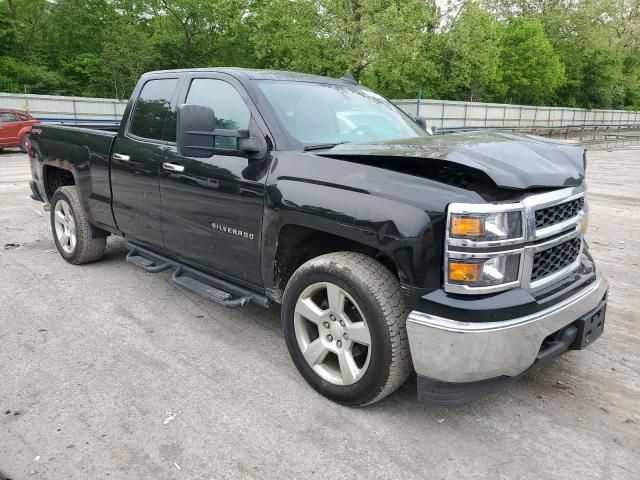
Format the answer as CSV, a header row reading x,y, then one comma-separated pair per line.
x,y
77,241
343,319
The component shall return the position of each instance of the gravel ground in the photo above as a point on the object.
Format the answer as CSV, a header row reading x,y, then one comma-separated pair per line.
x,y
108,372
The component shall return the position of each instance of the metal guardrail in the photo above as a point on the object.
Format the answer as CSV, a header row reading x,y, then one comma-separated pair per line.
x,y
453,114
445,113
590,136
450,116
57,108
585,133
551,129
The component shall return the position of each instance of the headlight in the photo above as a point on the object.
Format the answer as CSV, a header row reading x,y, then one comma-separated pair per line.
x,y
493,247
486,227
496,270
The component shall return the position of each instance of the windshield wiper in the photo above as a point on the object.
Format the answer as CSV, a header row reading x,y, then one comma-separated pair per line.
x,y
322,146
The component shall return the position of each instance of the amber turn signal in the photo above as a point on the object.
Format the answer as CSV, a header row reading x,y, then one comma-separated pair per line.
x,y
465,272
465,226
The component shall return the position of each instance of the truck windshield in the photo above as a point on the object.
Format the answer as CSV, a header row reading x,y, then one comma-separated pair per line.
x,y
325,114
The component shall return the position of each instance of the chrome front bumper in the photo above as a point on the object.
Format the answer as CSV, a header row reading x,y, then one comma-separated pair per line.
x,y
457,352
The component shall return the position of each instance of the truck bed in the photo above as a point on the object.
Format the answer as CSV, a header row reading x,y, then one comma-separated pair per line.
x,y
83,151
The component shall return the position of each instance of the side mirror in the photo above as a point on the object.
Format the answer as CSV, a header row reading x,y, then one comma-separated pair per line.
x,y
193,122
422,122
196,134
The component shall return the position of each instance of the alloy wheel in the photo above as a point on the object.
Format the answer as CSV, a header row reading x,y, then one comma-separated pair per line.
x,y
65,226
332,333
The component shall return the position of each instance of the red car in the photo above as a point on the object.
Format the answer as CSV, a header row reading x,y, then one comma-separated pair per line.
x,y
15,126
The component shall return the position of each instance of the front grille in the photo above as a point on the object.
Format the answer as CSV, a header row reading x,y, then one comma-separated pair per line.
x,y
545,217
555,258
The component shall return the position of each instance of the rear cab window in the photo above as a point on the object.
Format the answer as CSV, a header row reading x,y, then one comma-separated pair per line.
x,y
152,108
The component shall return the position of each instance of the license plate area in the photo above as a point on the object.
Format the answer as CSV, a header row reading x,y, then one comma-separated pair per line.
x,y
590,326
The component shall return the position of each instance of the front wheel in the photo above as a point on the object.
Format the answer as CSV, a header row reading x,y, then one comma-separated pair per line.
x,y
24,143
343,318
77,241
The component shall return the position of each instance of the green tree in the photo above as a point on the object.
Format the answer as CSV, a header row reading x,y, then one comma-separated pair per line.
x,y
189,33
126,57
469,57
7,30
602,80
532,70
567,52
291,36
381,42
8,41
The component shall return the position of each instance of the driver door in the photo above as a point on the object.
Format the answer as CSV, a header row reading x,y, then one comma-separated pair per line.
x,y
212,207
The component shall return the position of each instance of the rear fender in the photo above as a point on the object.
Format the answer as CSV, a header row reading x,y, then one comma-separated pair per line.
x,y
55,164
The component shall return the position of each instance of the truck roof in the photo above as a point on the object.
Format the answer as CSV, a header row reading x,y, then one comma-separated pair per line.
x,y
259,74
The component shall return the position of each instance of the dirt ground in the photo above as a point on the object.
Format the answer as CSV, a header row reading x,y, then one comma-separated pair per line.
x,y
108,372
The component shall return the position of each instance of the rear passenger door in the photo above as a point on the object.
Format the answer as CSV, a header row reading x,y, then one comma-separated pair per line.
x,y
136,161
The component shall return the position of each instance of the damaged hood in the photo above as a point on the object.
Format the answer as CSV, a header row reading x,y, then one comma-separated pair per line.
x,y
509,160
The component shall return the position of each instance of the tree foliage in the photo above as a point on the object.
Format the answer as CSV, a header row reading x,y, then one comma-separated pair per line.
x,y
468,55
565,52
532,70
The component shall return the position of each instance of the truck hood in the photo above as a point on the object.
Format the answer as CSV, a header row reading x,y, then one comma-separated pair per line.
x,y
509,160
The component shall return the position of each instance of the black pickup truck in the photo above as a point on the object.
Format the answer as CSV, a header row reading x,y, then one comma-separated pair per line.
x,y
461,257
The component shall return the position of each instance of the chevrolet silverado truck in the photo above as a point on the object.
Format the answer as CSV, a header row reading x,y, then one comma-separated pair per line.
x,y
461,257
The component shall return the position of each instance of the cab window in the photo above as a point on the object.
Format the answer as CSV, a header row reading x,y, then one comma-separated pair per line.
x,y
228,106
152,107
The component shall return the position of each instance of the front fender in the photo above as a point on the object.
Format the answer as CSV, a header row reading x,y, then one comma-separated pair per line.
x,y
22,132
402,232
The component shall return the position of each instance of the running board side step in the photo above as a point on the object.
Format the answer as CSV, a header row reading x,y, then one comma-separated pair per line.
x,y
212,288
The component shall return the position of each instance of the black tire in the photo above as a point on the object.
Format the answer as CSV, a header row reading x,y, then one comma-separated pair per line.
x,y
90,241
23,143
378,294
